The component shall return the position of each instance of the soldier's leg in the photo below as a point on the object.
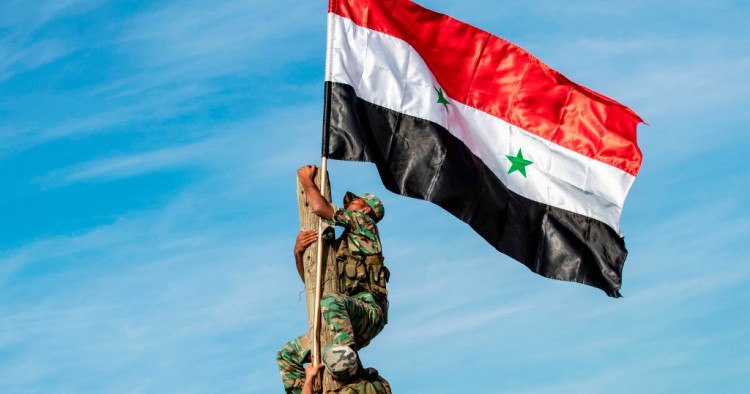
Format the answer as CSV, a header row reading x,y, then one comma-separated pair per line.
x,y
368,319
290,359
354,321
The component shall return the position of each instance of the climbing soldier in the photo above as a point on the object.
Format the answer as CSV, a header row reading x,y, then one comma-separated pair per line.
x,y
360,311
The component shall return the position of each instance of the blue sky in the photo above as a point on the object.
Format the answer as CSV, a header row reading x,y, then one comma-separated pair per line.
x,y
147,163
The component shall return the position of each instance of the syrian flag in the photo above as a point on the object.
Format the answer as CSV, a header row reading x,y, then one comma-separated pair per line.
x,y
536,164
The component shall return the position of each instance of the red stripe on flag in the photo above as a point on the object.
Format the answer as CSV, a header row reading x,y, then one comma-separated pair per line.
x,y
494,76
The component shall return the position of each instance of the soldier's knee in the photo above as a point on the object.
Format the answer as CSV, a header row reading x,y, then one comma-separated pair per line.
x,y
285,355
331,302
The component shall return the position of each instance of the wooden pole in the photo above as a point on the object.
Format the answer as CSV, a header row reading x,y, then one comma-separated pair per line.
x,y
319,265
317,284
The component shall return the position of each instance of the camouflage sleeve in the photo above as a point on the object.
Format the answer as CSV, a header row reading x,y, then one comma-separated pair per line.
x,y
362,230
328,226
335,211
346,218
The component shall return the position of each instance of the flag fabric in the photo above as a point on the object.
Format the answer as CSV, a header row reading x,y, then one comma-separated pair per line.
x,y
536,164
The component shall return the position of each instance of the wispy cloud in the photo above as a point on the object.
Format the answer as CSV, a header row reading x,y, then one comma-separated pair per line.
x,y
20,58
241,150
180,54
27,17
695,85
119,116
21,49
131,165
155,282
227,38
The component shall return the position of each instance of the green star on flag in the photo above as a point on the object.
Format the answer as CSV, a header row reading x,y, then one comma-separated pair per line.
x,y
518,163
441,98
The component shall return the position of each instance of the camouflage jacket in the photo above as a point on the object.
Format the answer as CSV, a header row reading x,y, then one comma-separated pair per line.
x,y
359,256
360,231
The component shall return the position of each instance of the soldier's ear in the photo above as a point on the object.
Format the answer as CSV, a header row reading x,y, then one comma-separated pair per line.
x,y
369,212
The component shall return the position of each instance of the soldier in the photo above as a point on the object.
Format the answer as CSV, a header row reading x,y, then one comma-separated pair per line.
x,y
365,381
360,311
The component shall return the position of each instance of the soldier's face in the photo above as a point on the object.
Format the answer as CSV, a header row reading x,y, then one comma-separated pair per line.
x,y
357,204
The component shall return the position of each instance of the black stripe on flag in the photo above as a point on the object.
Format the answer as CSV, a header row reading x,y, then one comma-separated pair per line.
x,y
421,159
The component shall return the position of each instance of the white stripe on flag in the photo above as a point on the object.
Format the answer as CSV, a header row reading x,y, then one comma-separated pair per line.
x,y
387,71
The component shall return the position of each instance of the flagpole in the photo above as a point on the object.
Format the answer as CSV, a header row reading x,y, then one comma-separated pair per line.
x,y
319,269
323,187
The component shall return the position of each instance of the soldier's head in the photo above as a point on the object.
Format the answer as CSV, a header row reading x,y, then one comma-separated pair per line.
x,y
340,361
367,203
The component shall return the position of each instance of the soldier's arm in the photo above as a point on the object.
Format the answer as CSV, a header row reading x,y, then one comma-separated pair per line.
x,y
304,240
317,202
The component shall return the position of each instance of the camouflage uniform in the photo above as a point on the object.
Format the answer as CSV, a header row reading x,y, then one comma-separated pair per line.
x,y
290,358
360,312
367,383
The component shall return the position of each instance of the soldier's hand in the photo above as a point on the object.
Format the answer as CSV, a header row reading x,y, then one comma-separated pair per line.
x,y
307,172
312,371
312,385
304,239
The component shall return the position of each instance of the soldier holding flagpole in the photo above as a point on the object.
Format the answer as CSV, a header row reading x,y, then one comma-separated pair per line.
x,y
360,311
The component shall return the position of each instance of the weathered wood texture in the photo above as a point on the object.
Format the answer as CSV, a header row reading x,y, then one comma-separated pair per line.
x,y
309,221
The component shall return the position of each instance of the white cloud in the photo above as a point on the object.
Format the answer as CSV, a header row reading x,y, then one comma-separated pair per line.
x,y
178,54
135,164
195,41
151,284
16,58
23,48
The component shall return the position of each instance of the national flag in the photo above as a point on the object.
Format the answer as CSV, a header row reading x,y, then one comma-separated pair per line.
x,y
536,164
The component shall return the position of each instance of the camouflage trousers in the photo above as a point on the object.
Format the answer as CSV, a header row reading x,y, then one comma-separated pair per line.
x,y
354,322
